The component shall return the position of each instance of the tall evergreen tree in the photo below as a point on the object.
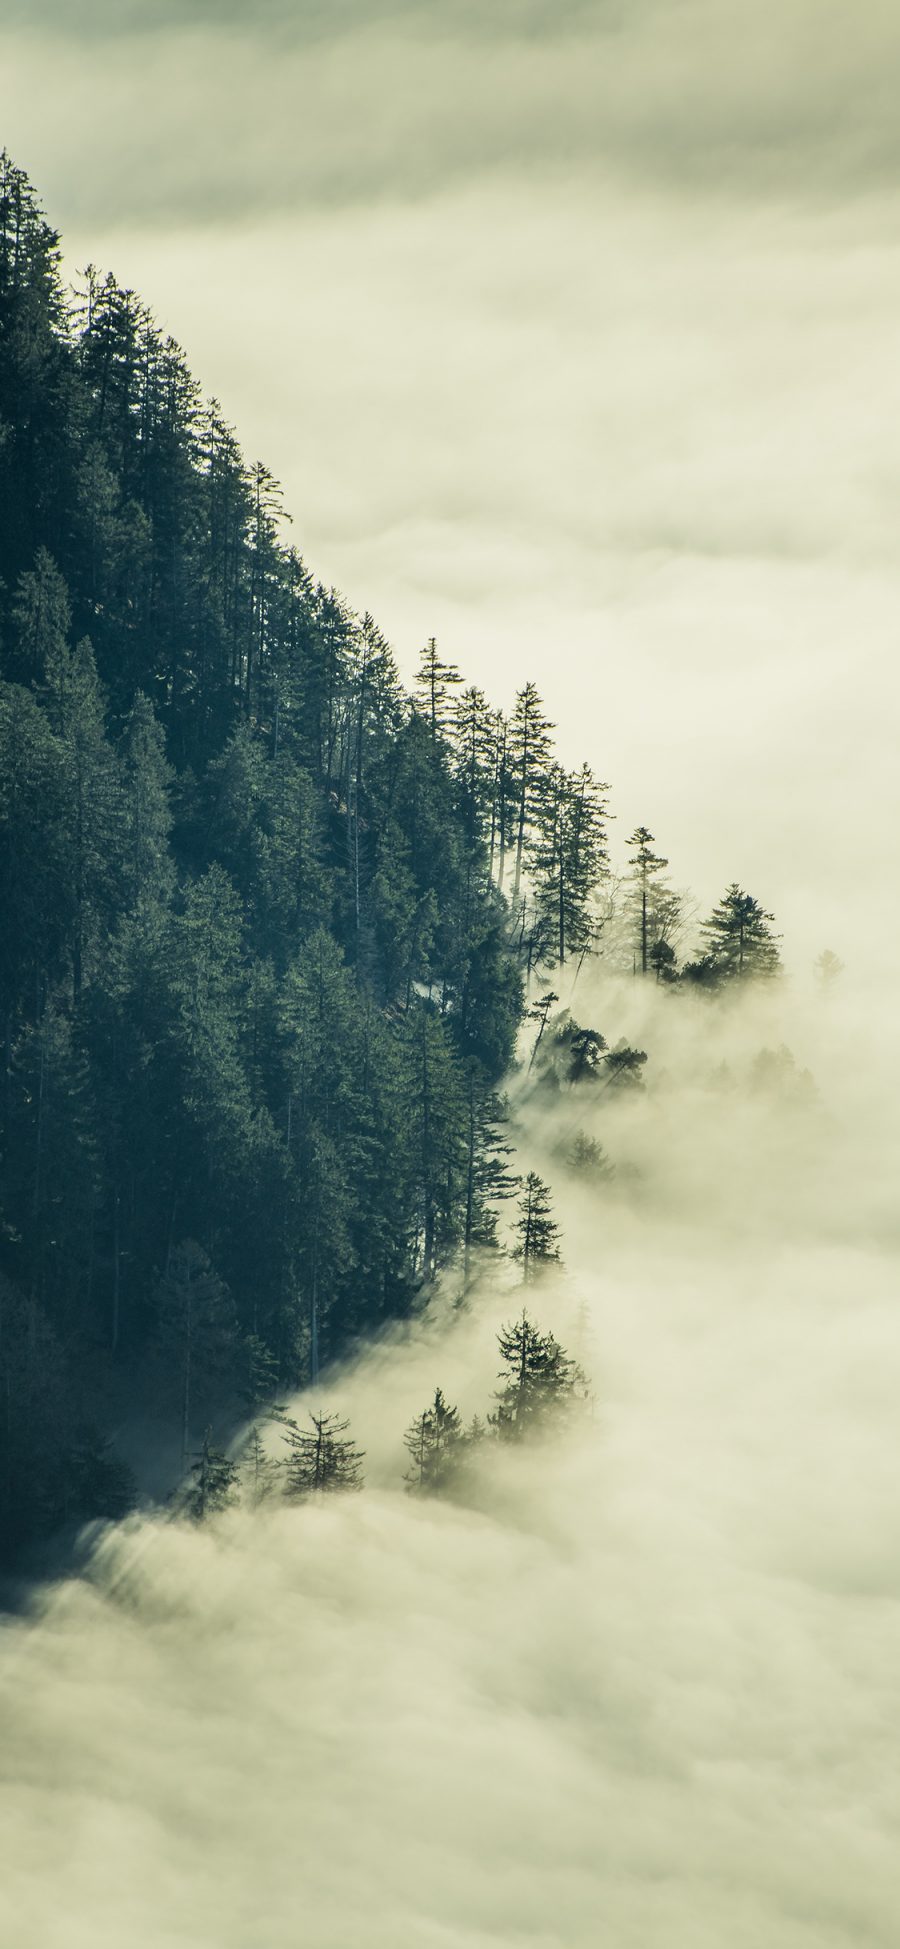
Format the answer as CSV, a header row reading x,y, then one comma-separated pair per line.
x,y
536,1231
529,758
214,1484
646,867
569,861
739,938
436,1444
321,1459
540,1383
435,681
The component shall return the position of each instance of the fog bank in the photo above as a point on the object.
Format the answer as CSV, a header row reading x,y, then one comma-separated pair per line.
x,y
639,1690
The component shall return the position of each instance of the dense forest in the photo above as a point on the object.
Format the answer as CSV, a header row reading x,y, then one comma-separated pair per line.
x,y
270,924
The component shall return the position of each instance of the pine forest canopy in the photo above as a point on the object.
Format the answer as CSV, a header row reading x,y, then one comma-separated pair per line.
x,y
268,920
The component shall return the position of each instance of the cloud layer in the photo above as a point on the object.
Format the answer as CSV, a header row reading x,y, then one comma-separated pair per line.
x,y
638,1691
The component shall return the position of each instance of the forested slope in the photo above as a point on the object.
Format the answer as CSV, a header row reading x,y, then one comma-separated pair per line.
x,y
267,920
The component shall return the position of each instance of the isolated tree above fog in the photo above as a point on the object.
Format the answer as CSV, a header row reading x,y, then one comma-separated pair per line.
x,y
321,1459
540,1382
739,938
436,1443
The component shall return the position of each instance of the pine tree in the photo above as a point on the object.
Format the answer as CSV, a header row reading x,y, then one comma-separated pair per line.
x,y
320,1461
535,1228
436,1444
569,860
588,1158
663,961
214,1482
539,1012
434,682
646,866
540,1382
259,1473
529,756
588,1053
624,1067
740,942
488,1176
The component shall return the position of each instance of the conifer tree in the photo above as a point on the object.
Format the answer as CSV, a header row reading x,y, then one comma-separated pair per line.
x,y
434,681
540,1383
587,1157
536,1231
259,1473
147,784
539,1012
214,1482
529,755
663,959
569,860
646,866
488,1175
436,1444
739,938
320,1460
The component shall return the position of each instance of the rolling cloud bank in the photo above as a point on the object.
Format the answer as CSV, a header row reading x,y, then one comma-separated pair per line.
x,y
635,1687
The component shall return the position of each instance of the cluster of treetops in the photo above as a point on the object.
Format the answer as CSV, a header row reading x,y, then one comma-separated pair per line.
x,y
541,1389
269,922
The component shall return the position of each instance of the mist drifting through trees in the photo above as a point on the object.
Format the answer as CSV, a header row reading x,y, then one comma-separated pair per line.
x,y
447,1355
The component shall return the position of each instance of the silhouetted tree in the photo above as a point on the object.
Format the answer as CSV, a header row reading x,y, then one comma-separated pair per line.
x,y
540,1383
740,942
321,1459
214,1482
436,1444
537,1233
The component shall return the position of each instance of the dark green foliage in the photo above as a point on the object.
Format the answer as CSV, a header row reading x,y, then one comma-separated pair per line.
x,y
488,1175
55,1467
569,861
196,1328
663,960
258,980
536,1231
256,983
214,1482
740,944
540,1383
539,1012
320,1460
259,1473
587,1055
566,1054
436,1443
529,756
624,1067
642,897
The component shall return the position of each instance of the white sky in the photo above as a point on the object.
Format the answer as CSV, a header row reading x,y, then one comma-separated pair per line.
x,y
571,334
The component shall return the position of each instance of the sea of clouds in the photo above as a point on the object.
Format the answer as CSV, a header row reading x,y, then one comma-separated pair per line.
x,y
637,1689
